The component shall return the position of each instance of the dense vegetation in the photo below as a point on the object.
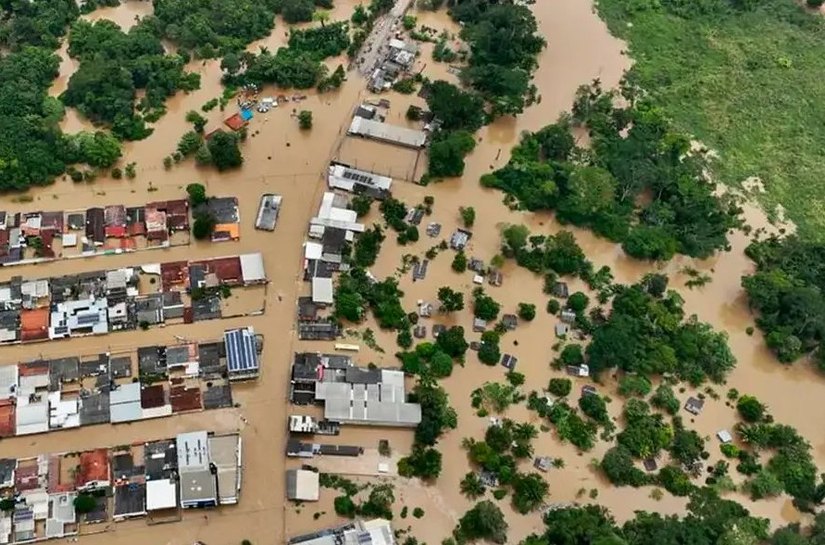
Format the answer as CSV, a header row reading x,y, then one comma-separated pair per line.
x,y
211,28
114,65
635,152
356,292
647,334
299,65
709,520
436,417
786,291
734,74
498,76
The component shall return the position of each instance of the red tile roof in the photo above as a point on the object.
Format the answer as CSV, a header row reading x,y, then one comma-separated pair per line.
x,y
7,418
34,324
94,466
234,122
173,273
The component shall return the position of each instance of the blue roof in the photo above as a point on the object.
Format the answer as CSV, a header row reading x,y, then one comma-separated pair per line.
x,y
246,115
241,350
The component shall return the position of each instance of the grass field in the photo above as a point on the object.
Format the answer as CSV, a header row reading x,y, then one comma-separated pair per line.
x,y
750,85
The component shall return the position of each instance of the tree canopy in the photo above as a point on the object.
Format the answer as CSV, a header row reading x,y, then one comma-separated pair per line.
x,y
635,151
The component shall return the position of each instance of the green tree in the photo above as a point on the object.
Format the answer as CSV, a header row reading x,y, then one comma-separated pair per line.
x,y
750,409
634,385
459,264
305,119
452,342
345,507
560,387
189,143
224,151
197,195
468,215
489,352
423,462
361,204
577,302
527,311
84,503
484,306
450,299
447,152
471,486
197,121
619,468
529,492
98,149
204,226
484,521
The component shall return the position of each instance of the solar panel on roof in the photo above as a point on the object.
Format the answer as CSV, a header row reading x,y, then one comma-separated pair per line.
x,y
241,350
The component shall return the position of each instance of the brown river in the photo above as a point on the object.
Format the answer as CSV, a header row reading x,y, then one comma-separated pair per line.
x,y
280,158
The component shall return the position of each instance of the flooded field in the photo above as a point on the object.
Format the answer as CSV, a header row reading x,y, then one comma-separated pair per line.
x,y
279,158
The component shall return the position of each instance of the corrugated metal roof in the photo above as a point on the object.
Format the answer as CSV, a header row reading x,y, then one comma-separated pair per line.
x,y
241,351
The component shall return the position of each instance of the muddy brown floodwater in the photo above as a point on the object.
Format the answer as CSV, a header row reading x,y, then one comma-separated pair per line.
x,y
279,158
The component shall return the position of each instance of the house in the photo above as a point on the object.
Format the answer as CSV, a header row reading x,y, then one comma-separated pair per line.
x,y
302,485
476,265
198,486
425,309
420,331
650,464
560,290
93,470
345,178
372,532
543,463
438,329
479,325
268,212
509,361
694,405
242,361
724,436
459,239
433,229
561,330
510,321
588,389
568,316
578,370
495,278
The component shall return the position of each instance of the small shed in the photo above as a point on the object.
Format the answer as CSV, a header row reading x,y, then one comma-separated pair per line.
x,y
561,330
724,436
510,321
568,316
509,361
694,405
588,389
302,485
543,463
479,325
235,122
560,290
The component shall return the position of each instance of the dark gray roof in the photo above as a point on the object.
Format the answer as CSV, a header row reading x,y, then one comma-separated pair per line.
x,y
361,375
7,466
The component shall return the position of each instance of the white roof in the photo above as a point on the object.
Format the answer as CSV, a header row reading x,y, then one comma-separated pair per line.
x,y
385,132
193,451
343,215
69,239
32,418
126,393
63,413
8,380
252,267
322,290
35,288
161,494
313,250
346,178
303,485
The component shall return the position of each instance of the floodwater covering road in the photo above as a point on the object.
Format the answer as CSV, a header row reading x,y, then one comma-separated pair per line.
x,y
280,158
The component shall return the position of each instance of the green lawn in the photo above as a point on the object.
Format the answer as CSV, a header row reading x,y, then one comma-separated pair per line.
x,y
750,85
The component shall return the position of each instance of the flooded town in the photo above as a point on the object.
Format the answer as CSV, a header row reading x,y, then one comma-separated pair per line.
x,y
370,330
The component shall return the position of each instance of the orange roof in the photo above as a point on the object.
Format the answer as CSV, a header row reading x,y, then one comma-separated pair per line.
x,y
234,122
7,418
227,231
34,324
94,466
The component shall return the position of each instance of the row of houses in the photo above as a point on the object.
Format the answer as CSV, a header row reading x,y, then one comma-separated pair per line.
x,y
149,382
50,495
28,237
99,302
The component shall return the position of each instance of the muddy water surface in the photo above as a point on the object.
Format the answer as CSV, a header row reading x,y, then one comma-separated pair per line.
x,y
280,158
